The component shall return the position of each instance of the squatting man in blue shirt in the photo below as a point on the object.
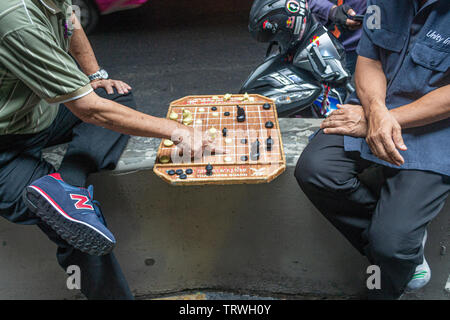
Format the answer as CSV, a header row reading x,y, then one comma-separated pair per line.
x,y
399,118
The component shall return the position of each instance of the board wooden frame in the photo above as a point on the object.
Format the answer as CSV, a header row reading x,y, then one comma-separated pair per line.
x,y
161,169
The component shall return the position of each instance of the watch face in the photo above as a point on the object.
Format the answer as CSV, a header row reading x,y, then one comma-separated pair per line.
x,y
103,74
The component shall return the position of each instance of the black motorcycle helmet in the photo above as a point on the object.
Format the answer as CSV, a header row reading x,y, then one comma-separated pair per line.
x,y
280,21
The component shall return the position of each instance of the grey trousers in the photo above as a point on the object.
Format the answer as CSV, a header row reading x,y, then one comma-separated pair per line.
x,y
388,228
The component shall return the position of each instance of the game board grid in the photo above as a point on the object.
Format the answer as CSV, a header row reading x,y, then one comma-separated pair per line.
x,y
251,123
252,172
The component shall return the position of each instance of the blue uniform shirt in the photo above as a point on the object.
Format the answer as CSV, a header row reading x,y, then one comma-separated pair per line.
x,y
413,46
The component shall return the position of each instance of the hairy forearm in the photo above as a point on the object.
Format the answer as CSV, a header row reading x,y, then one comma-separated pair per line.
x,y
371,89
116,117
432,107
81,49
370,84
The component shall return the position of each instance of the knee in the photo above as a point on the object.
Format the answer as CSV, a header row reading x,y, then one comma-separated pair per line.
x,y
392,243
308,169
316,170
382,247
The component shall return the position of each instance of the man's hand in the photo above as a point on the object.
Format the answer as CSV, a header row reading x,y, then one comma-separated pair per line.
x,y
338,15
195,142
384,136
122,87
348,120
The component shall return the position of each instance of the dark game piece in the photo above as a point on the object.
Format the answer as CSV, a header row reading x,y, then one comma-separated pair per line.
x,y
189,171
171,172
214,108
224,132
269,143
209,169
269,124
244,141
179,172
240,114
244,158
255,150
226,114
183,176
266,106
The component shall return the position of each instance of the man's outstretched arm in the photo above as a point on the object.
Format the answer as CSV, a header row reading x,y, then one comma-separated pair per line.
x,y
116,117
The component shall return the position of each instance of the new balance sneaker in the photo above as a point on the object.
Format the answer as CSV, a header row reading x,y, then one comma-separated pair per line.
x,y
71,212
422,275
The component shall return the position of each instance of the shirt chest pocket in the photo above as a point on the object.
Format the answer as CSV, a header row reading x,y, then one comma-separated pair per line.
x,y
431,64
430,58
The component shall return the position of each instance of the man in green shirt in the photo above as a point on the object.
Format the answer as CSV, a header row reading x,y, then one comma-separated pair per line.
x,y
45,99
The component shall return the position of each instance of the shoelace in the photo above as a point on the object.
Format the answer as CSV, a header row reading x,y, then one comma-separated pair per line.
x,y
98,211
97,207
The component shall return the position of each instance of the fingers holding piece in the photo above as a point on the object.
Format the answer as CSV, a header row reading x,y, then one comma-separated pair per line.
x,y
218,149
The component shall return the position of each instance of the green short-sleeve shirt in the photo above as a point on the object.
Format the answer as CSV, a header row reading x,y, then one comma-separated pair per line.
x,y
36,71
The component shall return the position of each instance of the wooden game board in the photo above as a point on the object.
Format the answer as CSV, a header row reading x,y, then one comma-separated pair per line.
x,y
237,171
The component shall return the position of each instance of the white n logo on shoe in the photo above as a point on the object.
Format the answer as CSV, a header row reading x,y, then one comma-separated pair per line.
x,y
82,201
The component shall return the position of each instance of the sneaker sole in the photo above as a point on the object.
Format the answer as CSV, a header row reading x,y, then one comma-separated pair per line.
x,y
79,235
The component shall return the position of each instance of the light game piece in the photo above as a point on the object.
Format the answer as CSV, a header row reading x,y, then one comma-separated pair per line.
x,y
188,121
164,159
168,143
173,116
212,132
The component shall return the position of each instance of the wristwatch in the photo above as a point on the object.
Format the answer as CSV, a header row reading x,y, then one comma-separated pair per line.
x,y
100,74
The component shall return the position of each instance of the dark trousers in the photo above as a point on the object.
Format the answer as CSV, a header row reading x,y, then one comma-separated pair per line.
x,y
90,149
387,227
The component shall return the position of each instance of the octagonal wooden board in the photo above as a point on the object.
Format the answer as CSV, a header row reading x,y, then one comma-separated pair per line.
x,y
240,164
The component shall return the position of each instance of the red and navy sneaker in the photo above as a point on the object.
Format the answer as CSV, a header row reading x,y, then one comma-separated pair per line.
x,y
71,212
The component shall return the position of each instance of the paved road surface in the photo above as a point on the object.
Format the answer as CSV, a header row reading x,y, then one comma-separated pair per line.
x,y
164,56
